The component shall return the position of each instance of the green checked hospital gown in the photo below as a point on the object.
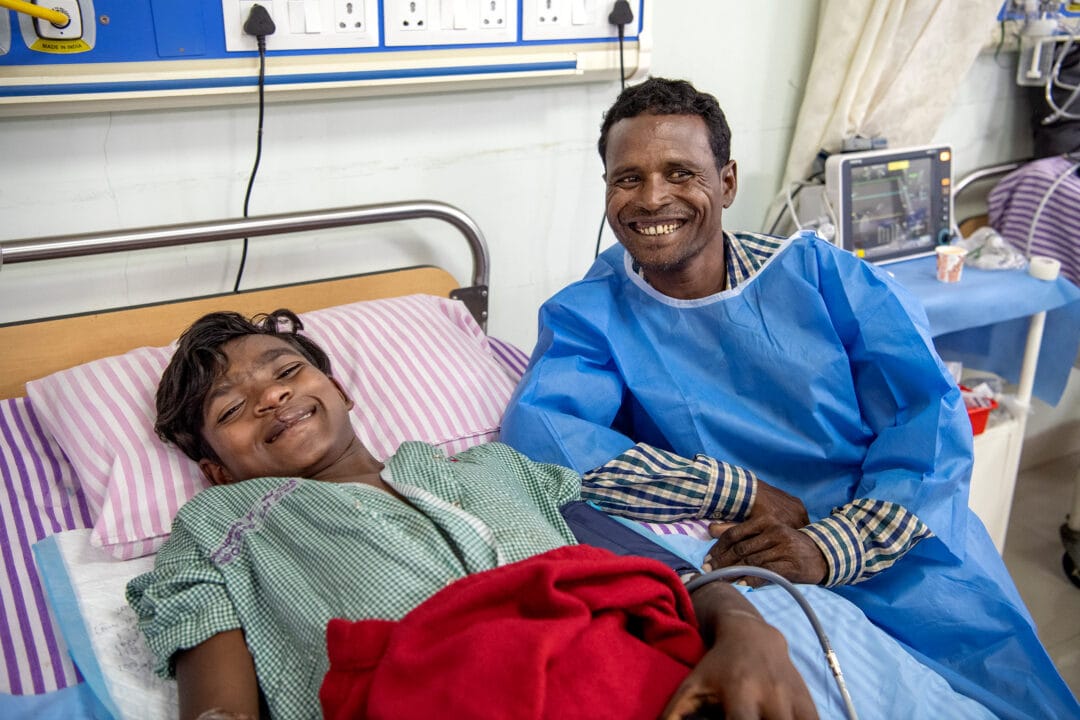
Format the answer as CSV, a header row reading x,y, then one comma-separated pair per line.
x,y
279,557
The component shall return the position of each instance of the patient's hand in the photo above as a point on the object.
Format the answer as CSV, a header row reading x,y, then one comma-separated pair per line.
x,y
746,672
765,543
783,508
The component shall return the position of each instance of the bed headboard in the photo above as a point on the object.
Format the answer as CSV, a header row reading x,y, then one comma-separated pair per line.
x,y
33,349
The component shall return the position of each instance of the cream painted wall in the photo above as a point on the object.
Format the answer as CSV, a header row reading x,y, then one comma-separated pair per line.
x,y
521,161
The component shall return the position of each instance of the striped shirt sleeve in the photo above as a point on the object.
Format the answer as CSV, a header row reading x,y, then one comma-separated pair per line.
x,y
646,483
858,540
864,537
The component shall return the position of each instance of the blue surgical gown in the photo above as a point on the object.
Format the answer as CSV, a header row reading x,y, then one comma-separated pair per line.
x,y
817,373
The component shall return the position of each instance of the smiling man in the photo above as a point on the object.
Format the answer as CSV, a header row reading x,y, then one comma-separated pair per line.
x,y
785,384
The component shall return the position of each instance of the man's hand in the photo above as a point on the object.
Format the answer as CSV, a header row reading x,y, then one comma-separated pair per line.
x,y
775,503
746,672
763,542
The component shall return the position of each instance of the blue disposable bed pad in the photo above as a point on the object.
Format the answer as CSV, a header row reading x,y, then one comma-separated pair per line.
x,y
85,587
65,606
982,321
76,702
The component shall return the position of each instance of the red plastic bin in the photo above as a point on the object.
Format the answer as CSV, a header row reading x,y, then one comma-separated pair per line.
x,y
979,415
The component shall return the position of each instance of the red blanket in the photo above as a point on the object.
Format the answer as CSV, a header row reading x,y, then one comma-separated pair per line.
x,y
574,633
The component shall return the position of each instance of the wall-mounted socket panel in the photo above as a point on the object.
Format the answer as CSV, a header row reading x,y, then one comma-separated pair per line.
x,y
305,24
573,19
176,53
449,22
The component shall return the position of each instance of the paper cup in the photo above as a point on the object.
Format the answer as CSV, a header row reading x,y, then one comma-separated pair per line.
x,y
950,263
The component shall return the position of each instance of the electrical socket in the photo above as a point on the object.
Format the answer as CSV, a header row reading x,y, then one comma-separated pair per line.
x,y
492,14
349,15
413,15
550,12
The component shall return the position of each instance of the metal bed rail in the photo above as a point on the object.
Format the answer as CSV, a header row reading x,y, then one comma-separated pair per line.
x,y
986,173
97,243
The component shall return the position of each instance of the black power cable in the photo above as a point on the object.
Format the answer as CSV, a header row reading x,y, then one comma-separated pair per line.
x,y
260,24
621,15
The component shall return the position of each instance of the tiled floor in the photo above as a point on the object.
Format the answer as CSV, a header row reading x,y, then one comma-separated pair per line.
x,y
1033,553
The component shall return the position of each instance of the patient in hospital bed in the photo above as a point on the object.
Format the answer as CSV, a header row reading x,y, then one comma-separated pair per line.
x,y
441,564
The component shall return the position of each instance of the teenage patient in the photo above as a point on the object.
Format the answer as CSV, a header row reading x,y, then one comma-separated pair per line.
x,y
302,526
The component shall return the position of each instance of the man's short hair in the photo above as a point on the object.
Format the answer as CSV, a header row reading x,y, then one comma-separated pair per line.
x,y
660,96
199,359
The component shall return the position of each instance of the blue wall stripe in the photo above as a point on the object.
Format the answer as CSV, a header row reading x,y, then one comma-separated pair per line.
x,y
246,81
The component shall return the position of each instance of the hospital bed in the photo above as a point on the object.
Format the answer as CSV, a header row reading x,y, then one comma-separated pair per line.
x,y
78,515
1035,206
75,412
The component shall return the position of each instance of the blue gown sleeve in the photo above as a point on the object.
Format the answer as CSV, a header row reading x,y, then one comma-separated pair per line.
x,y
569,397
921,454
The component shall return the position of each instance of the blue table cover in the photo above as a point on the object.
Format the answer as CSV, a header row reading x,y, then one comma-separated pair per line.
x,y
982,321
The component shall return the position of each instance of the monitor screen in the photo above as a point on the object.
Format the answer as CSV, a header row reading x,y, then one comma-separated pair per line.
x,y
890,208
891,204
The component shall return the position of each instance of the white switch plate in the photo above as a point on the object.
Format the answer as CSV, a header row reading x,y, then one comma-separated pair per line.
x,y
449,22
328,24
573,19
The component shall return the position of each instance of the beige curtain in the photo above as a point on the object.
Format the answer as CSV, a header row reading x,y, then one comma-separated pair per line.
x,y
887,68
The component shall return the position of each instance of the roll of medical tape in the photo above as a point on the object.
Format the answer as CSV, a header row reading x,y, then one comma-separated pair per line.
x,y
1044,268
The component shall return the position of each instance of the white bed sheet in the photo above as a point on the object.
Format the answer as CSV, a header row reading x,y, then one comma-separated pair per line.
x,y
86,588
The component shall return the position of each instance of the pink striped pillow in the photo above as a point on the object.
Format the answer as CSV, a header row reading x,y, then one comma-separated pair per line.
x,y
418,368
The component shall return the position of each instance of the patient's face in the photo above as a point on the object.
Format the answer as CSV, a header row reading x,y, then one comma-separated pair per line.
x,y
665,194
270,412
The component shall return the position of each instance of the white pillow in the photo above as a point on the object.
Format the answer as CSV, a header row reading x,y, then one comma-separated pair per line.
x,y
418,368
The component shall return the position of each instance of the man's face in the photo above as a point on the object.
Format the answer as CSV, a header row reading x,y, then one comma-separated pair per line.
x,y
270,412
664,192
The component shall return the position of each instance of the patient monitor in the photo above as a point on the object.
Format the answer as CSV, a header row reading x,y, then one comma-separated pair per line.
x,y
891,204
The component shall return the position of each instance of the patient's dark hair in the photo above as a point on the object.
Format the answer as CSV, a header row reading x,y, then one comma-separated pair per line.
x,y
660,96
198,360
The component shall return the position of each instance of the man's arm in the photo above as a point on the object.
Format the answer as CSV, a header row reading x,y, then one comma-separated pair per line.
x,y
746,670
647,483
216,679
856,542
916,462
